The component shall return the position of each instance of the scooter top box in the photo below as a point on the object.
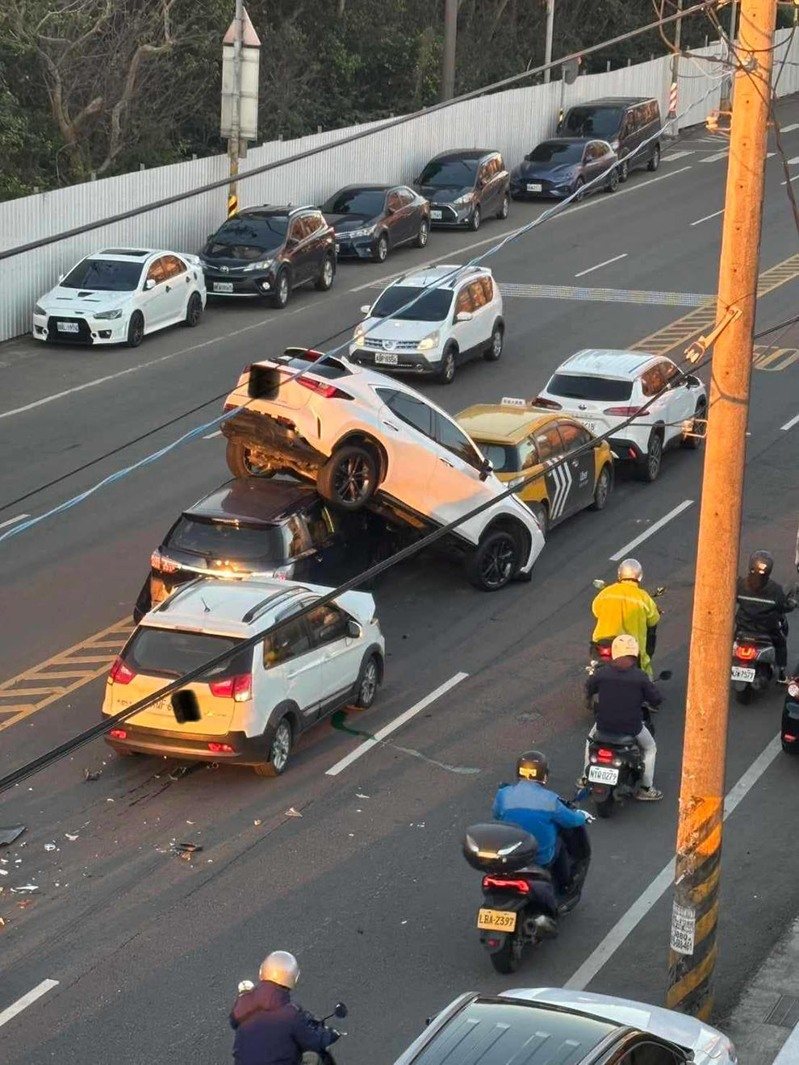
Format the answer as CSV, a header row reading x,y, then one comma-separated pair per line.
x,y
499,848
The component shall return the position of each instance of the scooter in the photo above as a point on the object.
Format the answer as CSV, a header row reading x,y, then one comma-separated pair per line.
x,y
789,729
599,650
340,1011
754,665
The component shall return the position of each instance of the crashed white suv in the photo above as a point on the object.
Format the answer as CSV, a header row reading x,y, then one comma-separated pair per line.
x,y
433,331
367,440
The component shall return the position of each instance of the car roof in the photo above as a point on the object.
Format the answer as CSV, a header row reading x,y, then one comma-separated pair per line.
x,y
255,500
466,153
367,187
607,362
569,140
270,210
613,101
431,274
130,255
501,423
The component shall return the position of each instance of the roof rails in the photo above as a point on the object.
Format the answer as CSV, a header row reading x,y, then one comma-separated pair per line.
x,y
272,601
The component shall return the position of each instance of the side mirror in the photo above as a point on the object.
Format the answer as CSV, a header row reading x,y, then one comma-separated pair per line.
x,y
185,706
390,209
355,631
661,588
340,1010
464,316
149,284
664,674
365,309
598,583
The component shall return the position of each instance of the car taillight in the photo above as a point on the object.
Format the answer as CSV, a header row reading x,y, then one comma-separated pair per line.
x,y
604,754
321,389
549,404
220,748
745,651
155,560
624,412
788,737
238,688
494,883
120,673
118,734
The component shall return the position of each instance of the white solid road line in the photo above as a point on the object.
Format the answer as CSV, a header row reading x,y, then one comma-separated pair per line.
x,y
417,708
707,217
13,521
791,128
27,1000
622,552
794,161
785,428
209,436
607,262
669,157
644,903
715,157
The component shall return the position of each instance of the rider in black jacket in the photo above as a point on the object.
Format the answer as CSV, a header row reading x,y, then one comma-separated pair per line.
x,y
761,606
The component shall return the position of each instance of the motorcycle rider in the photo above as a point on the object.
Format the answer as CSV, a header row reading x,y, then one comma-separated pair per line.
x,y
270,1028
761,605
626,607
532,806
620,689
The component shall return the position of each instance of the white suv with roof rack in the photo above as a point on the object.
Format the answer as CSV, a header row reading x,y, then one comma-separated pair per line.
x,y
432,332
605,388
254,706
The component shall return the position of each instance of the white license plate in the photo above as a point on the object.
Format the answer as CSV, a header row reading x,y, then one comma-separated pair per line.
x,y
535,187
223,286
598,774
67,327
742,673
436,215
591,426
384,359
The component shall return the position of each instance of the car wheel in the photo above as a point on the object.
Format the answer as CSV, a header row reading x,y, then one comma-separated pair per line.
x,y
494,350
349,477
649,465
541,515
474,219
577,191
624,171
194,310
602,489
613,181
502,213
494,561
654,162
446,371
135,330
326,275
423,235
693,443
380,250
279,751
240,463
282,290
368,684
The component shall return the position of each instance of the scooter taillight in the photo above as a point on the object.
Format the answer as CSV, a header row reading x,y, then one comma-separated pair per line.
x,y
605,754
745,651
498,883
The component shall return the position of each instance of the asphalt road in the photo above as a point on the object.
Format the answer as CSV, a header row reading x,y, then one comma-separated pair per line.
x,y
368,886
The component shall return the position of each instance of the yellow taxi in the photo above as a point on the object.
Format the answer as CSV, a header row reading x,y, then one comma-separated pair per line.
x,y
520,439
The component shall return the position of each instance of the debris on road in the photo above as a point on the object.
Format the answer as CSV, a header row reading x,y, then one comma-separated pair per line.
x,y
10,833
70,836
50,847
25,889
291,812
92,774
360,795
185,850
257,821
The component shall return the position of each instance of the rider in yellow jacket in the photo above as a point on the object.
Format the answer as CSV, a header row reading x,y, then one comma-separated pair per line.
x,y
626,607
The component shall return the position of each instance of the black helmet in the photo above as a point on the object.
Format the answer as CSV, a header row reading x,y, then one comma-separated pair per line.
x,y
532,765
761,563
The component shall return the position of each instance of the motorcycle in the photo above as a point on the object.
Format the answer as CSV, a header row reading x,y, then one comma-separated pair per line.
x,y
520,906
789,729
599,650
340,1011
754,665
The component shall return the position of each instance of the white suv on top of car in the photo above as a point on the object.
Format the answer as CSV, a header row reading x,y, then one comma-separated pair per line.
x,y
365,439
432,332
605,387
255,705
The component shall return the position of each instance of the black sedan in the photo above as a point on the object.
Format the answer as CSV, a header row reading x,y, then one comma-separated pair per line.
x,y
565,166
371,220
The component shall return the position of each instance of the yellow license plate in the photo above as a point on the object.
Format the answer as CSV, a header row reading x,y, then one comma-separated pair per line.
x,y
496,920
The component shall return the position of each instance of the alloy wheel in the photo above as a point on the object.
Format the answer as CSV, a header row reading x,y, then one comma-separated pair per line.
x,y
498,561
353,479
281,745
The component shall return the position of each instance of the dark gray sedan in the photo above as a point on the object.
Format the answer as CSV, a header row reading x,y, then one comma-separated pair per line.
x,y
565,166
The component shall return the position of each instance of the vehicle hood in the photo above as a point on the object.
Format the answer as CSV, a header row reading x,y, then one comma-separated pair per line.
x,y
390,329
435,194
343,223
709,1046
82,300
547,171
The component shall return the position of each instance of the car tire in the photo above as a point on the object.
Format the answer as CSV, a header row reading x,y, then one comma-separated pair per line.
x,y
494,561
541,515
577,191
423,235
649,465
279,751
135,330
493,353
238,460
502,213
613,180
693,443
380,249
349,478
624,171
475,218
446,371
654,162
602,488
368,683
282,290
194,310
327,274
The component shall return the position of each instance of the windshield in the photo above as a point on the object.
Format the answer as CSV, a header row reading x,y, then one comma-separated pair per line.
x,y
104,275
432,305
366,202
248,238
223,542
601,122
600,389
171,653
511,458
449,173
556,153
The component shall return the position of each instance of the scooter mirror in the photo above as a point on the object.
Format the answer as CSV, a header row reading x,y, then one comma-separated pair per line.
x,y
341,1010
598,582
661,588
664,675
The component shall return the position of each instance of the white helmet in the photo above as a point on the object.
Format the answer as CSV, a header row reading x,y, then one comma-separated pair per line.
x,y
280,967
631,570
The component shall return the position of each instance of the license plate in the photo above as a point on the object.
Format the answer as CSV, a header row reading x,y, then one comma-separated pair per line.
x,y
67,327
223,286
590,426
496,920
599,774
535,187
436,215
742,673
384,359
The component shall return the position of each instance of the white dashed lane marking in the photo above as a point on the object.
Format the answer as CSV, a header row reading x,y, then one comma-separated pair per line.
x,y
598,266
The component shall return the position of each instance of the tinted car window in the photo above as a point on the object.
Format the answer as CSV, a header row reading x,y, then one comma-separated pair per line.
x,y
409,409
171,653
555,153
248,237
430,305
549,443
327,623
669,371
287,642
444,173
488,289
158,271
590,121
650,1054
599,389
104,275
456,441
236,543
510,458
573,436
394,201
652,381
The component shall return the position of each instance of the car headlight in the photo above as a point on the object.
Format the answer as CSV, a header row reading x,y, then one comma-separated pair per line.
x,y
429,342
367,231
116,313
264,264
38,309
463,200
359,338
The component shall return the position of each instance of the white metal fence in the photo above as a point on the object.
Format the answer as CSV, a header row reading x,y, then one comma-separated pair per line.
x,y
512,121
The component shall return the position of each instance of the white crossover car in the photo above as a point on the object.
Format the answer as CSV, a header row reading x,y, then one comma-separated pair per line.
x,y
364,439
604,388
119,295
432,322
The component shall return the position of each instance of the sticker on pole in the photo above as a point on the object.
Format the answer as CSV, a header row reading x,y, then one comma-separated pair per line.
x,y
683,929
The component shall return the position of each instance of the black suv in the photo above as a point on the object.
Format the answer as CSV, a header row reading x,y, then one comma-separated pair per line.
x,y
268,251
465,186
630,124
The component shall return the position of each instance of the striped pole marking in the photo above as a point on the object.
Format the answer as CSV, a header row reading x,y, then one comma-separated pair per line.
x,y
673,100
